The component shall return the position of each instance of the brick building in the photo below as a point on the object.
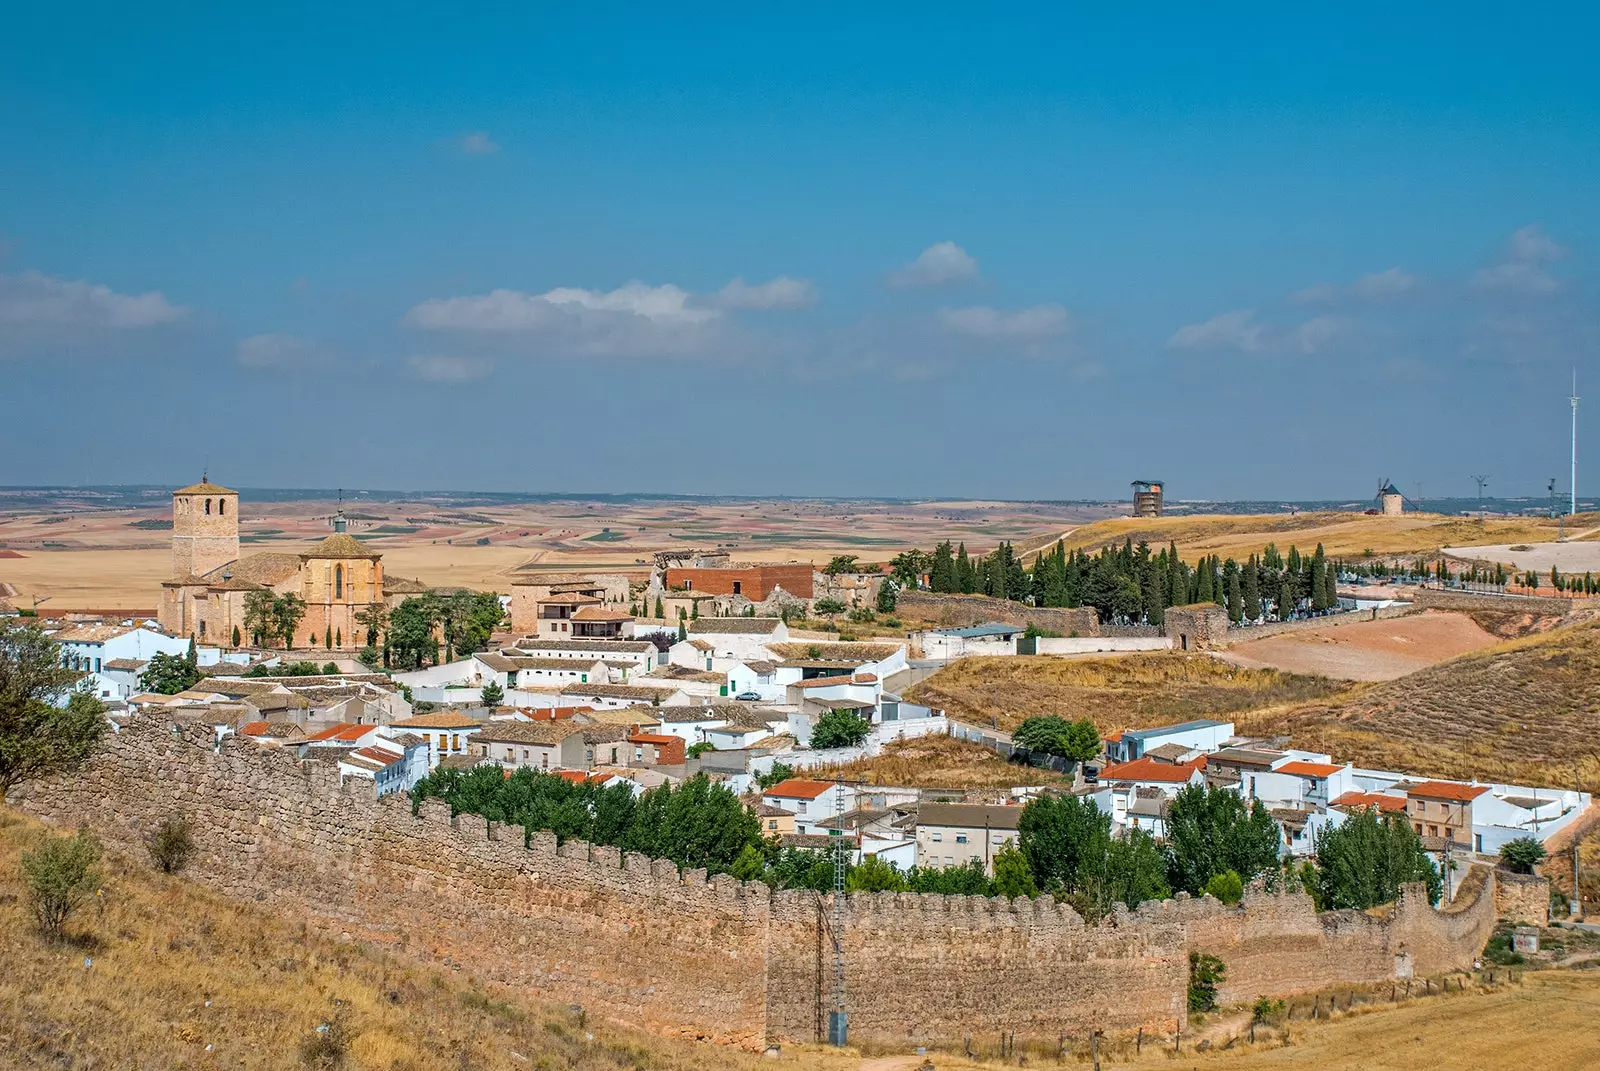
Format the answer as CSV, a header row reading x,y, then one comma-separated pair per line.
x,y
754,582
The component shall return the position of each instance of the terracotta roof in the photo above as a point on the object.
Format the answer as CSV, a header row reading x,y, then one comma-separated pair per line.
x,y
255,728
824,682
568,598
798,788
968,815
124,663
513,731
546,579
1308,769
341,545
439,719
534,643
399,585
267,567
600,613
1370,799
620,691
652,738
751,626
346,734
634,715
767,810
204,487
373,758
841,651
1147,769
500,663
92,633
701,645
1446,790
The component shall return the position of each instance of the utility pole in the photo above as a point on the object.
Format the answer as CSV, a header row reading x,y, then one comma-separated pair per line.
x,y
1574,400
1480,481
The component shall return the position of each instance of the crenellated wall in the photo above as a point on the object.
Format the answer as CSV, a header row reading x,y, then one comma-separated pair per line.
x,y
728,960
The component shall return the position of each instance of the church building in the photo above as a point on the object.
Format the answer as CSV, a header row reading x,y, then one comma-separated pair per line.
x,y
337,578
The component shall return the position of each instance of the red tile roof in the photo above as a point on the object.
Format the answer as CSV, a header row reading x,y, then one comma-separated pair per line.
x,y
823,682
1370,799
1309,769
1148,769
798,788
1446,790
342,733
652,738
255,728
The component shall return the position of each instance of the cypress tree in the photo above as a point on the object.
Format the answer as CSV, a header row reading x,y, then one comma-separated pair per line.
x,y
1250,582
1235,598
942,573
1286,598
966,575
1177,583
661,612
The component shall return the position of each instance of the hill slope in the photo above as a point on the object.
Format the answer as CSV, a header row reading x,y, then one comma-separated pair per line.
x,y
1525,711
160,972
1118,692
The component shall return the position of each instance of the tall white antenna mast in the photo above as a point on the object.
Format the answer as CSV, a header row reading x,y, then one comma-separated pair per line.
x,y
1573,507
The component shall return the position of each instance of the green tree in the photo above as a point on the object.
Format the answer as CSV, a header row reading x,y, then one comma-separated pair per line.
x,y
1235,598
1071,853
696,750
327,638
874,874
908,567
683,630
1522,854
236,636
492,694
750,865
967,879
1250,585
1286,598
287,613
409,639
942,570
1012,878
1226,886
888,594
1054,735
374,617
168,674
192,655
1205,975
966,574
841,563
780,772
830,606
1210,831
839,728
259,619
61,875
1363,862
661,613
47,722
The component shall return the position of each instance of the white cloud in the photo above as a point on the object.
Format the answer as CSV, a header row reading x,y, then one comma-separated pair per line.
x,y
273,351
634,319
1030,324
478,143
36,300
780,293
1383,285
1226,330
937,265
447,369
1520,272
1319,333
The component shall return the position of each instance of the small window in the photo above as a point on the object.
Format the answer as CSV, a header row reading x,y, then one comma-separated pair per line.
x,y
208,507
961,838
801,806
338,581
222,506
938,837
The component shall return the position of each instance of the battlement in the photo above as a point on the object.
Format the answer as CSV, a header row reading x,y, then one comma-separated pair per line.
x,y
731,959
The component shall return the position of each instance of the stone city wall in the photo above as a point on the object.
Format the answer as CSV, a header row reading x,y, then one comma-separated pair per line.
x,y
1445,599
728,960
1246,633
1522,897
960,611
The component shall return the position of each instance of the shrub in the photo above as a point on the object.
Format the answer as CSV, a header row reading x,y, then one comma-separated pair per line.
x,y
329,668
171,844
696,750
1227,887
1521,855
369,656
839,728
1205,972
61,874
863,616
1266,1009
327,1046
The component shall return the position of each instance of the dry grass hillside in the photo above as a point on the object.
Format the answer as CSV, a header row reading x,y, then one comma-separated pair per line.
x,y
1118,692
1527,710
1341,534
945,762
161,973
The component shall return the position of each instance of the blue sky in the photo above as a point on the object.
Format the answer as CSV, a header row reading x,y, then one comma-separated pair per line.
x,y
1030,253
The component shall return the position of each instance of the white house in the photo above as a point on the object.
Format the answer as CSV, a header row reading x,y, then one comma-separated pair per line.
x,y
90,647
1201,735
990,638
738,638
810,802
447,733
393,764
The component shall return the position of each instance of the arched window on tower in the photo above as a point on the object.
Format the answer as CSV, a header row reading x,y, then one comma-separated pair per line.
x,y
208,507
222,506
338,581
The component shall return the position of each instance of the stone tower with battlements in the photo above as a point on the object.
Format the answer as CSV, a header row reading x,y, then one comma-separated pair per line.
x,y
205,528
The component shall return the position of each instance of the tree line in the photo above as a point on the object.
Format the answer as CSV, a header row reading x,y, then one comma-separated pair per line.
x,y
1131,584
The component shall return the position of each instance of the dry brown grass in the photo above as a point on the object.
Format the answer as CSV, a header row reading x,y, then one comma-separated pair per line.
x,y
1118,692
1525,711
182,977
1341,534
945,762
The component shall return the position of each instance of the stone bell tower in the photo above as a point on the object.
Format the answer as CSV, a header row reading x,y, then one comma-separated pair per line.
x,y
205,528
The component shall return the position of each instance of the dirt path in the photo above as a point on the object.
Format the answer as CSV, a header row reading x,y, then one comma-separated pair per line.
x,y
1365,650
